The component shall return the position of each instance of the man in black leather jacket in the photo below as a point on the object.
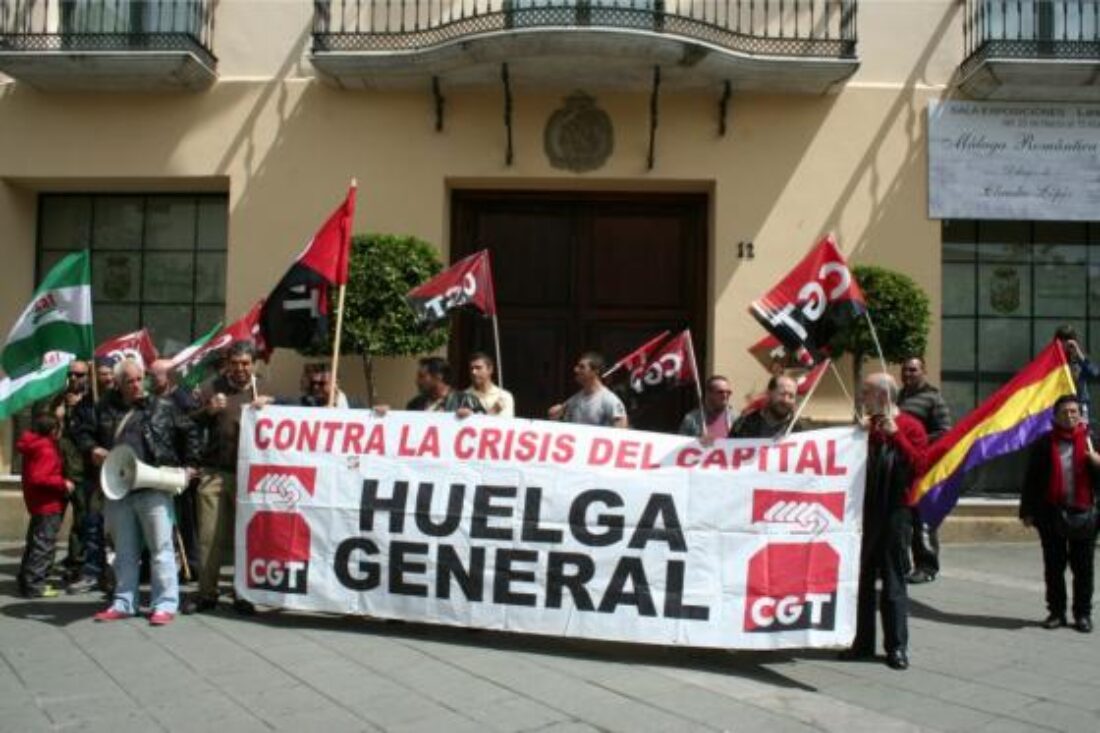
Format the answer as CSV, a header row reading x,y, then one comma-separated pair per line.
x,y
157,432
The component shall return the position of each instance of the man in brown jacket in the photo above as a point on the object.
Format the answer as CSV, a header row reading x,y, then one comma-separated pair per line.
x,y
219,414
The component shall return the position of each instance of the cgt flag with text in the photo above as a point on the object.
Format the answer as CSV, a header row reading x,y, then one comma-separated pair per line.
x,y
566,530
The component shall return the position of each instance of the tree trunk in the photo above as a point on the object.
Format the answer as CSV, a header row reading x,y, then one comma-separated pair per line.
x,y
368,375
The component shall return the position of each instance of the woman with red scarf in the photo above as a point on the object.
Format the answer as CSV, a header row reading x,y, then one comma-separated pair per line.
x,y
1061,480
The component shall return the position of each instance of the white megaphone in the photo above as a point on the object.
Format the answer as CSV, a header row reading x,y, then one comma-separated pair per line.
x,y
122,472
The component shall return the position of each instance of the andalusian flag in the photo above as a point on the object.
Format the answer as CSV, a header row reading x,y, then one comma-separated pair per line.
x,y
193,363
58,318
1015,416
48,380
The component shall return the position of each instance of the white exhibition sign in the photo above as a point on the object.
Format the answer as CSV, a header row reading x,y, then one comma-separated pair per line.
x,y
1008,160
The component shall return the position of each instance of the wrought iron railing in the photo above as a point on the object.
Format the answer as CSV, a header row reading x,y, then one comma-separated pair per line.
x,y
108,25
798,28
1031,29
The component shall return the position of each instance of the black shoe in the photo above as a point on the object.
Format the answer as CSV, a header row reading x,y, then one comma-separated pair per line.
x,y
196,604
243,607
855,655
1083,624
920,576
897,659
1054,621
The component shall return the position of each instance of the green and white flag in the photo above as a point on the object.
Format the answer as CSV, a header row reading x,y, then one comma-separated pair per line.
x,y
192,365
15,394
58,318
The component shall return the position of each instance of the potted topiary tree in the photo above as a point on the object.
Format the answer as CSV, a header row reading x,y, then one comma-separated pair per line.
x,y
899,308
377,319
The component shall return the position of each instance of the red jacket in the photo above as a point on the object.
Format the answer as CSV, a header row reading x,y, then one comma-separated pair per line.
x,y
43,485
911,441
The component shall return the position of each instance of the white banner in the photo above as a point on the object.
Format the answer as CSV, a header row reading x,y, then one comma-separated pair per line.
x,y
549,528
1013,160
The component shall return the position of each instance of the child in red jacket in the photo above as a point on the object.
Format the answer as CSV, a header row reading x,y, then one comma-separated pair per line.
x,y
44,491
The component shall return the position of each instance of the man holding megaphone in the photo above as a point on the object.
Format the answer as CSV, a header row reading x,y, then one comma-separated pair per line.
x,y
148,450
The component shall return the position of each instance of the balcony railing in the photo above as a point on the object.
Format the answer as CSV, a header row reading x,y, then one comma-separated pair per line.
x,y
788,28
1031,29
75,26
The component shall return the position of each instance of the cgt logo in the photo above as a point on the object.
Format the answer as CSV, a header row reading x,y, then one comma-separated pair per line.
x,y
665,368
801,511
792,586
282,485
455,296
277,545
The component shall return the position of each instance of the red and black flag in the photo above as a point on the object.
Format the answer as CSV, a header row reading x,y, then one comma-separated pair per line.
x,y
770,353
135,346
296,313
671,365
814,301
195,363
804,384
468,282
639,358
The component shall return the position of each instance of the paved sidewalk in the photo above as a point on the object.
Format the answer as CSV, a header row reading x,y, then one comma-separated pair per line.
x,y
980,663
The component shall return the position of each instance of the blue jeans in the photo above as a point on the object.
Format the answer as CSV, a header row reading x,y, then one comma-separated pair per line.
x,y
92,531
143,514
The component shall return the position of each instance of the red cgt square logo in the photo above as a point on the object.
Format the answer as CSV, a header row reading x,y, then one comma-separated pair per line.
x,y
278,546
792,586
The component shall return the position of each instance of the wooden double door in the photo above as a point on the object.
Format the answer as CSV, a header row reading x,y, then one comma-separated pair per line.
x,y
578,272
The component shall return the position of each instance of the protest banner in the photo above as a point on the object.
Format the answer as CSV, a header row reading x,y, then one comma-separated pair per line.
x,y
548,528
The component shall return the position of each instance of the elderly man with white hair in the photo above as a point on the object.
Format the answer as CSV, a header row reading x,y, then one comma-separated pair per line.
x,y
895,454
159,434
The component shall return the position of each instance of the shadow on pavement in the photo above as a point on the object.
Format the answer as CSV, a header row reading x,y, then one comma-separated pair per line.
x,y
50,611
748,664
920,610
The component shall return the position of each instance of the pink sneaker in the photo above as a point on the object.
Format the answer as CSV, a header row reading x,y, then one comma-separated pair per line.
x,y
161,618
111,614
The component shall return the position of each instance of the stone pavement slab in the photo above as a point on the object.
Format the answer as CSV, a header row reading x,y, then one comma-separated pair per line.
x,y
980,663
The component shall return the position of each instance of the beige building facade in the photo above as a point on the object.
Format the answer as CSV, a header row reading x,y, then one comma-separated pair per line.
x,y
795,146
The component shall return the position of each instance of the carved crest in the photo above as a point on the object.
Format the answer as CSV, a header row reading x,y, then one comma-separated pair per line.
x,y
1004,290
579,136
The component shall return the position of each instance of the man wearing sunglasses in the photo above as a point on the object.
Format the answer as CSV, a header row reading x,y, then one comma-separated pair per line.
x,y
87,556
716,417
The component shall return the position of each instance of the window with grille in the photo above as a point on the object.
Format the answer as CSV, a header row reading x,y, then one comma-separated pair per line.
x,y
1007,285
158,260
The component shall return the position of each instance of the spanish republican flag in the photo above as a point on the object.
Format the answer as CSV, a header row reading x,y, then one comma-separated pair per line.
x,y
1016,415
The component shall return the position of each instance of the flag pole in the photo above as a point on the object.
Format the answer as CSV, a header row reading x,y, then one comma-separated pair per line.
x,y
340,313
874,337
843,387
698,386
1069,376
336,345
496,344
802,406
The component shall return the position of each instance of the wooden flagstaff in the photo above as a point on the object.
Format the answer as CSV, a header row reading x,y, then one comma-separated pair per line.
x,y
340,316
496,344
874,337
844,388
802,406
698,386
336,345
